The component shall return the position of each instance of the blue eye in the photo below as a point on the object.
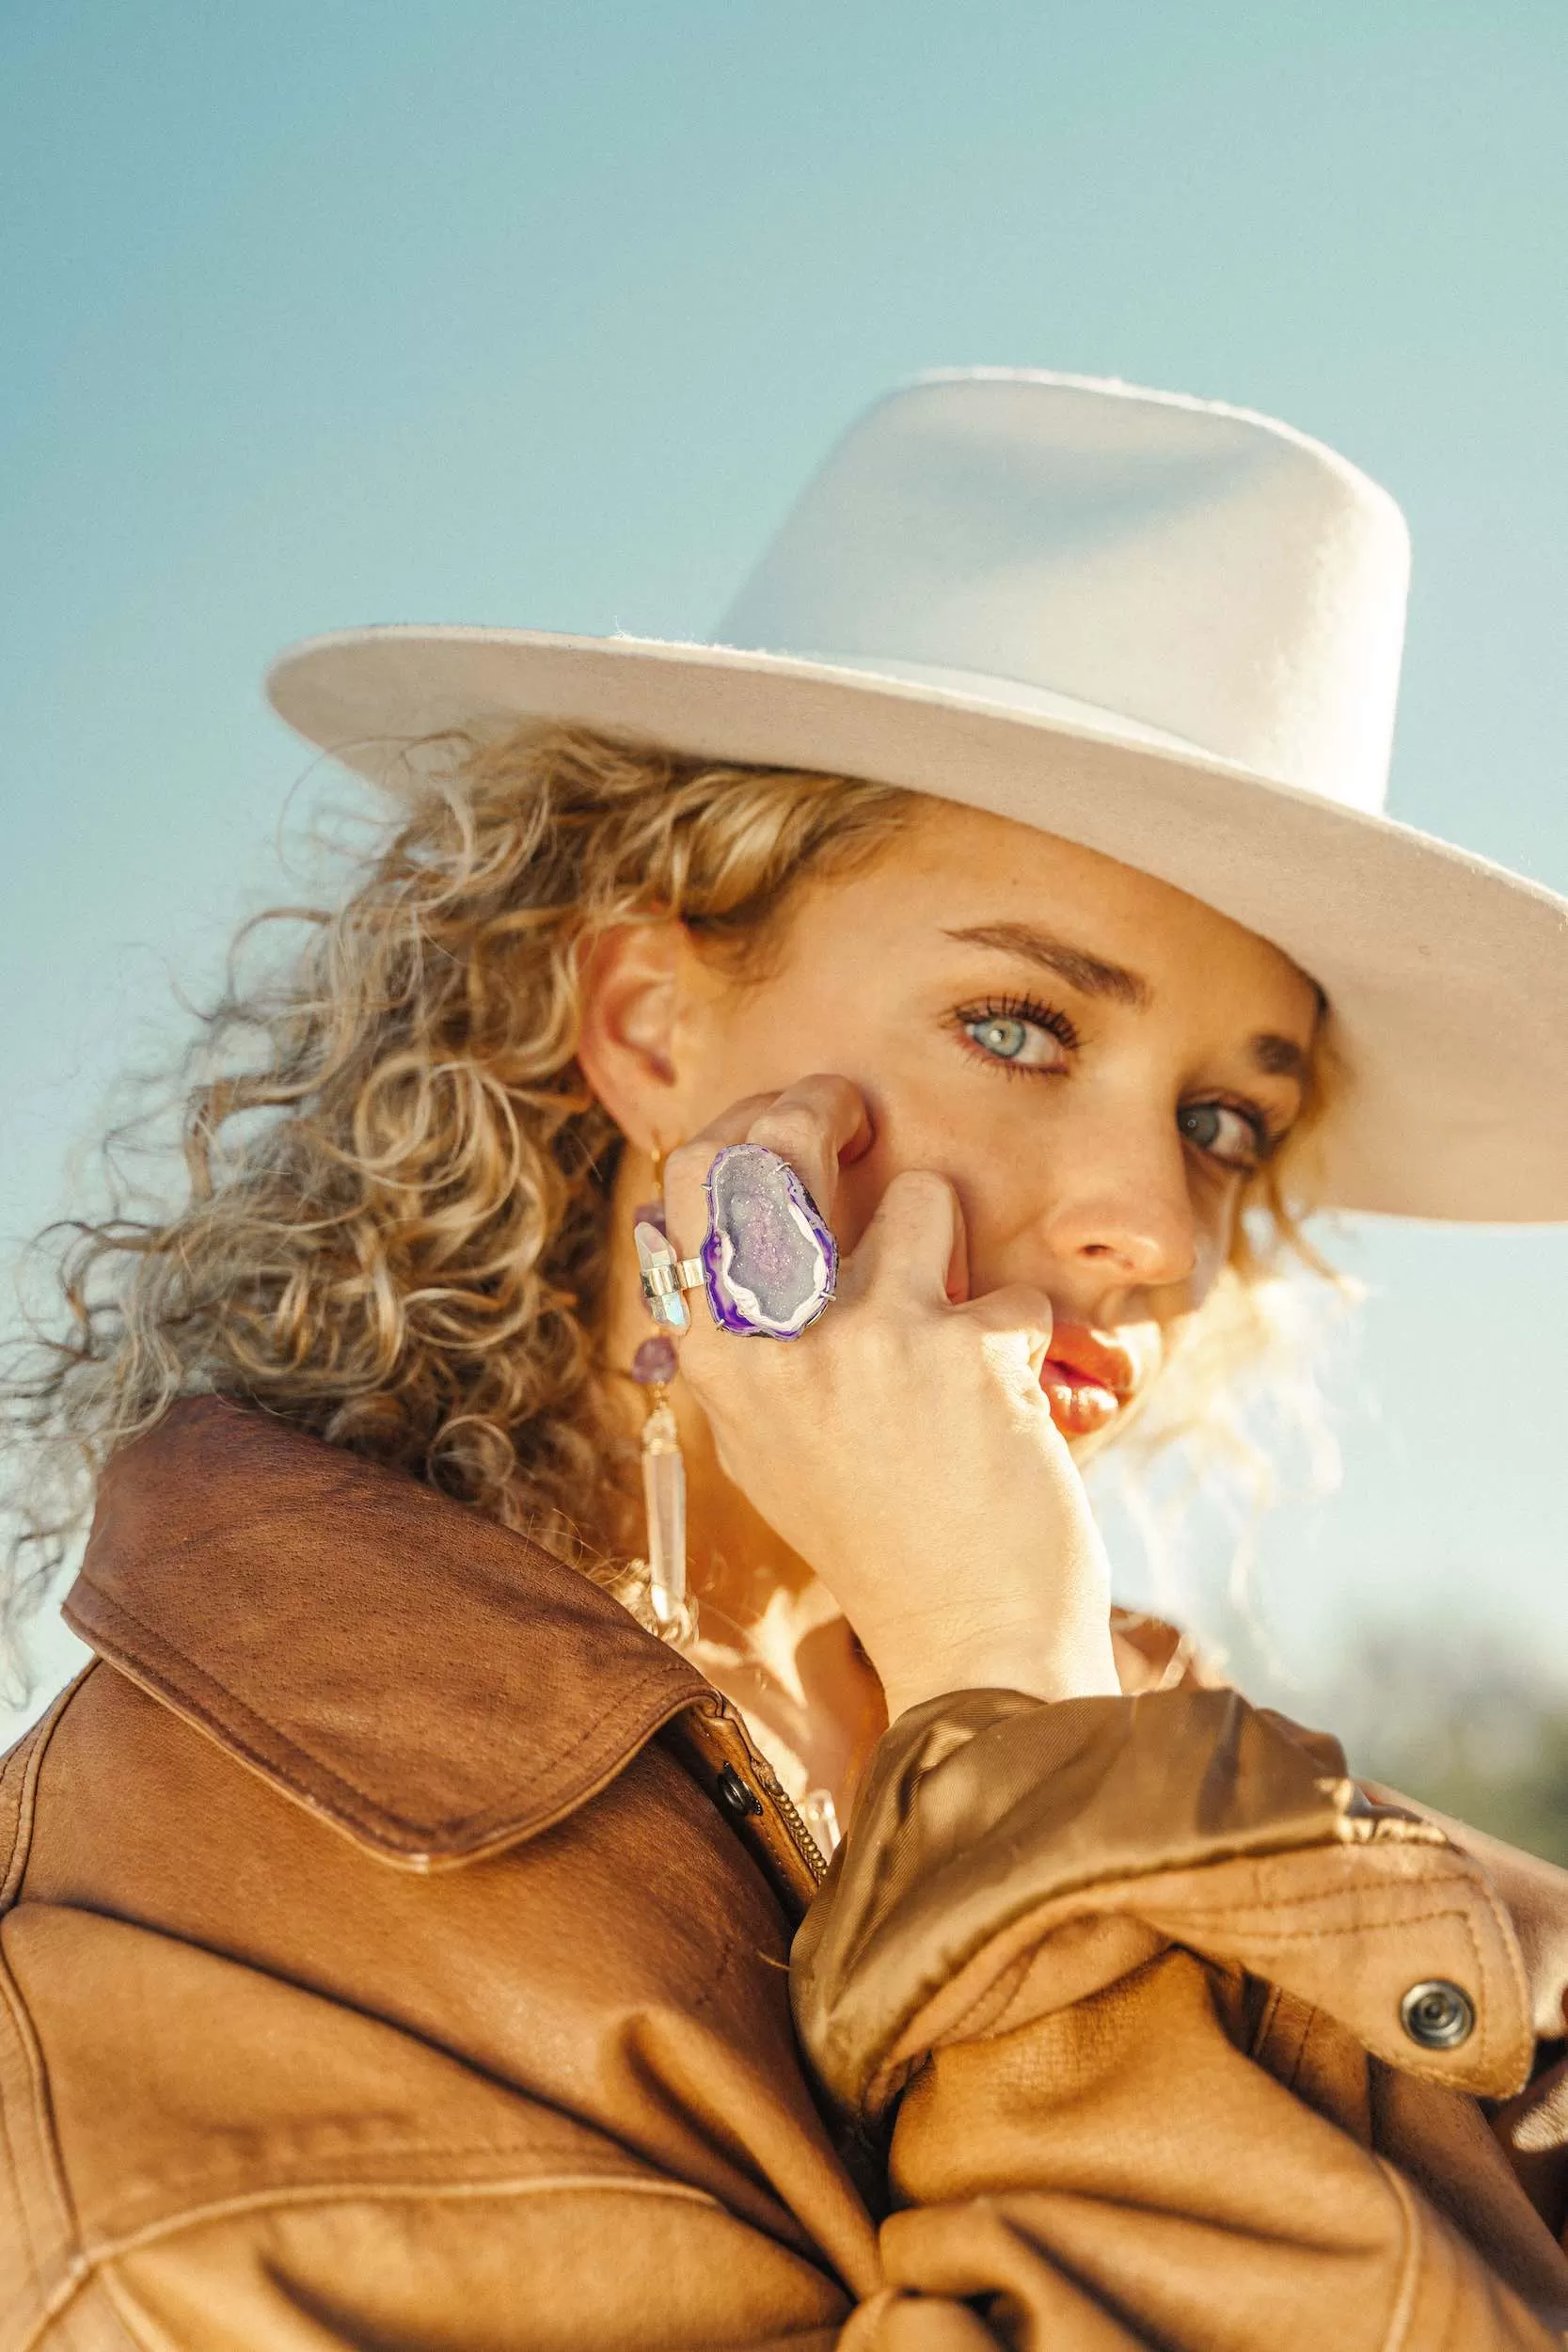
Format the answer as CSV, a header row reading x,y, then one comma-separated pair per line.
x,y
1228,1135
1016,1033
1005,1038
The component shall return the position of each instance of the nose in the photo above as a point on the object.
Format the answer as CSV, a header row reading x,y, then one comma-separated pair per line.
x,y
1122,1212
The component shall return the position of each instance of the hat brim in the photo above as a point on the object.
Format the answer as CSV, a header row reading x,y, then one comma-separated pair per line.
x,y
1447,976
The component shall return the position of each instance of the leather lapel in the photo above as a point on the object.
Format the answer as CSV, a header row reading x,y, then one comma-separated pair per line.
x,y
435,1686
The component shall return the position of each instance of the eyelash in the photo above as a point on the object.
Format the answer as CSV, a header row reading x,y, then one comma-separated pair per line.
x,y
1048,1017
1013,1009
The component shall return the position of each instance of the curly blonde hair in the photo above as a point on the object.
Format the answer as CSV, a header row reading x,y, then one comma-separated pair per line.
x,y
395,1235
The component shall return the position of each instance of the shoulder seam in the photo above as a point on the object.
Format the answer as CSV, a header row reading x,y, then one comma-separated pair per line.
x,y
97,2261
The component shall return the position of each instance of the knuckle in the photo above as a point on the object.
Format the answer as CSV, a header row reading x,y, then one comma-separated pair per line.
x,y
833,1094
788,1128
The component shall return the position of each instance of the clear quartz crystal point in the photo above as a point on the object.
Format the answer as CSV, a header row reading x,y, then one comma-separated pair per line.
x,y
653,1249
821,1817
664,1501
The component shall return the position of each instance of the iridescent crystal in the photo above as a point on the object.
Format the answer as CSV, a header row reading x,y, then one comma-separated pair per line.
x,y
653,1250
770,1261
821,1817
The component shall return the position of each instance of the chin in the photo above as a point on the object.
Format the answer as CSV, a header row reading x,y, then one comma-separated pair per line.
x,y
1083,1449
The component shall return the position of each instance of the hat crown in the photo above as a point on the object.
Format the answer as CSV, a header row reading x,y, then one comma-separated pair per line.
x,y
1207,576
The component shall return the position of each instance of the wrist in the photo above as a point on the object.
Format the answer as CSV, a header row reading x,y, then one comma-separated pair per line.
x,y
1048,1664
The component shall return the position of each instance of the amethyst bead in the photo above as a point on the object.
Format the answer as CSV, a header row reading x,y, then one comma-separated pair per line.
x,y
655,1361
769,1261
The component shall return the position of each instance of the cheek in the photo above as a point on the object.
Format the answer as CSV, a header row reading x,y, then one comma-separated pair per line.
x,y
755,1046
964,1134
1215,1222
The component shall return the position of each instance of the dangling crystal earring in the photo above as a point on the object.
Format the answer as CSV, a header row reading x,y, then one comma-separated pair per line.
x,y
653,1368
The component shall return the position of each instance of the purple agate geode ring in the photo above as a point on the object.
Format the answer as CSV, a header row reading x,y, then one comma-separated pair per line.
x,y
769,1263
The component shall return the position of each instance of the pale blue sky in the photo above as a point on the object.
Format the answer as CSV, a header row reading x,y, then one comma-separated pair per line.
x,y
375,310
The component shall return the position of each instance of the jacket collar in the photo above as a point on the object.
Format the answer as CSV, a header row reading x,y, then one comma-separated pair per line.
x,y
435,1686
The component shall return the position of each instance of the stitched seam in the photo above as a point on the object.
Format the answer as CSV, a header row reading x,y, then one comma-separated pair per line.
x,y
1509,1939
1398,2333
76,2278
1316,1897
96,2263
954,2031
30,2247
1274,1935
43,2121
1360,1889
1017,1969
1329,1933
1319,1935
1095,1890
388,2192
654,1672
132,2315
1310,1935
407,2151
1397,1916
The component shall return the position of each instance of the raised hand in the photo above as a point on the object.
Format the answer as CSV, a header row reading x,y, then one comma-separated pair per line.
x,y
902,1446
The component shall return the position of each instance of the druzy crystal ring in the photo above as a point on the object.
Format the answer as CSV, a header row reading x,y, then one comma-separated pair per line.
x,y
769,1262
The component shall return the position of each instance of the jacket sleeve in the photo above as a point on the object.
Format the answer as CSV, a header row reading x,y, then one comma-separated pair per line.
x,y
1123,1980
1532,2127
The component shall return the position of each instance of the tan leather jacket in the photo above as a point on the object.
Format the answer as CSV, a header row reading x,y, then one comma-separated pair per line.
x,y
399,1948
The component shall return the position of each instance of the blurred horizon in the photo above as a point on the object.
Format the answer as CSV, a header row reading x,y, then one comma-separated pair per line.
x,y
483,313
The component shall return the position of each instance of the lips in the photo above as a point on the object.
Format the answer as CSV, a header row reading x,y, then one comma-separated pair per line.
x,y
1087,1377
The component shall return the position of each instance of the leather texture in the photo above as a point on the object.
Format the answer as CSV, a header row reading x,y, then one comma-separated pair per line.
x,y
384,1964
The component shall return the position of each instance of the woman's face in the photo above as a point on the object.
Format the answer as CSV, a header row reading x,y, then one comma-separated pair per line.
x,y
1095,1060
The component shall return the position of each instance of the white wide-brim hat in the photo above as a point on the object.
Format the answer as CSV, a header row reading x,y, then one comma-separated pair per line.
x,y
1165,629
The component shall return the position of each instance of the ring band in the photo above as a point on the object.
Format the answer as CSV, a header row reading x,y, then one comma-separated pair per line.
x,y
675,1274
664,1277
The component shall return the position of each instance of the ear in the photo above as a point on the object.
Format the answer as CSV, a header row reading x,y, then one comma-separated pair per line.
x,y
630,1001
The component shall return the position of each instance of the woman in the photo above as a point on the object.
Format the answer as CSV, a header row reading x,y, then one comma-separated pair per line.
x,y
845,1078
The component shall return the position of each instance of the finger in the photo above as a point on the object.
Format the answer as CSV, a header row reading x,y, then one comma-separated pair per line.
x,y
914,1241
809,1123
815,1124
1018,1313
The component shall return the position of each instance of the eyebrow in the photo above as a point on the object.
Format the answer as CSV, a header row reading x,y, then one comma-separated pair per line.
x,y
1279,1056
1273,1056
1090,974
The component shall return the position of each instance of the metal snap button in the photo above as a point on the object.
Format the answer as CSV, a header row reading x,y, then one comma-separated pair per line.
x,y
1437,2015
735,1796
